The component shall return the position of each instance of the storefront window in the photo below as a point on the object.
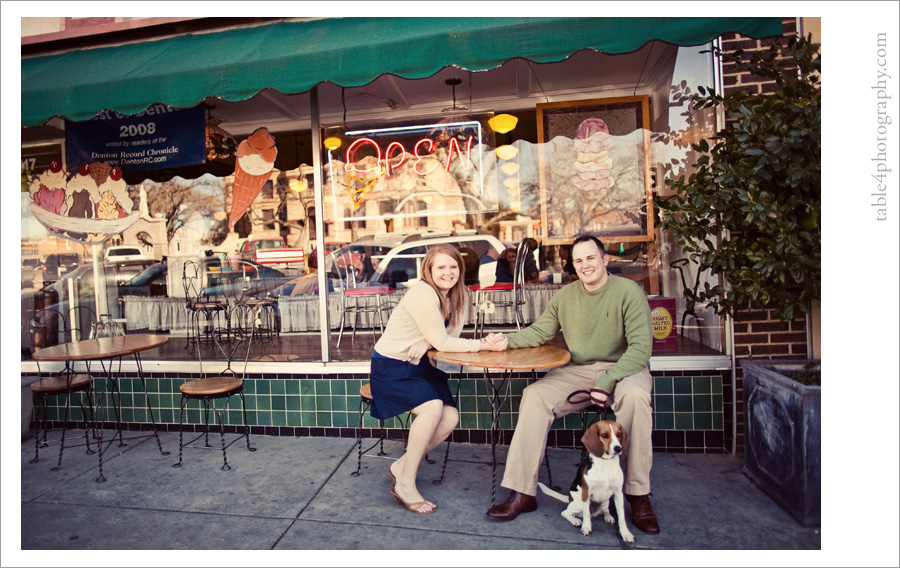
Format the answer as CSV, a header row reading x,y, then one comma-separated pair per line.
x,y
595,166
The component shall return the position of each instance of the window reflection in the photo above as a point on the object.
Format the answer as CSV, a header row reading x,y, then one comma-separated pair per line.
x,y
186,219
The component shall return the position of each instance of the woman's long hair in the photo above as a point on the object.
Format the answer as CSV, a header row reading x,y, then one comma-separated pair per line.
x,y
456,305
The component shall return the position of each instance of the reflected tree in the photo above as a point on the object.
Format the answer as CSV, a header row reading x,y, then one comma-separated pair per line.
x,y
699,123
291,227
177,199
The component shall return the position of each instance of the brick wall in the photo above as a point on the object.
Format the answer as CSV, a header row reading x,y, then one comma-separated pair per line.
x,y
734,80
758,332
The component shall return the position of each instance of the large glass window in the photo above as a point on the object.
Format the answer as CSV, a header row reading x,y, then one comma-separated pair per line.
x,y
595,165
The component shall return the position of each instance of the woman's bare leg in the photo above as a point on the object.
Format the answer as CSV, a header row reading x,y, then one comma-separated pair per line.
x,y
433,423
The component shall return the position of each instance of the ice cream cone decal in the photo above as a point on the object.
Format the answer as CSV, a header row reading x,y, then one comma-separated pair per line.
x,y
357,194
252,169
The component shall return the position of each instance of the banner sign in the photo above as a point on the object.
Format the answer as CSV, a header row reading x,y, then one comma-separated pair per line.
x,y
158,138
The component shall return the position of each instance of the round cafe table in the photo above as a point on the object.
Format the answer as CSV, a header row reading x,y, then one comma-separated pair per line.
x,y
498,385
102,349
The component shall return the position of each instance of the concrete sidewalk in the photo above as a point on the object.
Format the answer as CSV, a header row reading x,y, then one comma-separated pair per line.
x,y
298,494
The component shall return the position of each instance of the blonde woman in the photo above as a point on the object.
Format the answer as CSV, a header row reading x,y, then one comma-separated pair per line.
x,y
430,315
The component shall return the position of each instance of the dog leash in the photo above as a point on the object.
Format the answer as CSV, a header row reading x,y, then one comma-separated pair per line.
x,y
587,398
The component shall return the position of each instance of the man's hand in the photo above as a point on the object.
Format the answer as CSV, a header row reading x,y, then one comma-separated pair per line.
x,y
494,342
599,398
495,337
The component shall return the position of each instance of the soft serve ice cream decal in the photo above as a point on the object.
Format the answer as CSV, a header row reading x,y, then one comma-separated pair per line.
x,y
252,169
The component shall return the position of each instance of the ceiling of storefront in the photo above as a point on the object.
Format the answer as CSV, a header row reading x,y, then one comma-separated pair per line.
x,y
517,85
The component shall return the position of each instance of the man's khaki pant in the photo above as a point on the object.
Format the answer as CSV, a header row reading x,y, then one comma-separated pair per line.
x,y
545,400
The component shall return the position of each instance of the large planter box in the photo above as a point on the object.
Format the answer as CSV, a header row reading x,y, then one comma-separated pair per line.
x,y
783,453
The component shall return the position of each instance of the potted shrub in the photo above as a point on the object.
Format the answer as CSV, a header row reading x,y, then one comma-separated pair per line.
x,y
783,455
750,215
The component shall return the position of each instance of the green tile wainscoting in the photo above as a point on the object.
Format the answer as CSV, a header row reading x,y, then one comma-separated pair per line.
x,y
691,410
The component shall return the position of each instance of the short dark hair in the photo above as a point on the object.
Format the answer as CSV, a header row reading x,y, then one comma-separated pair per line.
x,y
592,239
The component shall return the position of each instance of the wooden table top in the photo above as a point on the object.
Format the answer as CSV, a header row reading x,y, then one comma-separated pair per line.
x,y
100,348
527,358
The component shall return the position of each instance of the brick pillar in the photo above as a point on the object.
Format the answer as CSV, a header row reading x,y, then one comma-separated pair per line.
x,y
734,80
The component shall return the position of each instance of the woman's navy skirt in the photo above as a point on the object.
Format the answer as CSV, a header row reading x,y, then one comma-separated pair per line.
x,y
399,386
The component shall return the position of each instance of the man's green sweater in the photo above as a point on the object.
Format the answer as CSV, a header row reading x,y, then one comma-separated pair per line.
x,y
611,324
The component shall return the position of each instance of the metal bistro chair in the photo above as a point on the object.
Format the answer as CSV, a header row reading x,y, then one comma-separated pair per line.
x,y
65,383
210,388
510,294
690,297
365,401
359,299
254,310
203,312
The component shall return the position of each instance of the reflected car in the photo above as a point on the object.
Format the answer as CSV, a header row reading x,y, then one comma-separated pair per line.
x,y
396,258
124,254
56,305
306,284
57,265
128,269
149,282
31,267
242,278
331,246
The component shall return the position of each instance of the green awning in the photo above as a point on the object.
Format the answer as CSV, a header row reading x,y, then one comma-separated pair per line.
x,y
293,56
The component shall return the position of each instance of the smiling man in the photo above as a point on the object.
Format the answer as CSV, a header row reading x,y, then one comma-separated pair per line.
x,y
605,320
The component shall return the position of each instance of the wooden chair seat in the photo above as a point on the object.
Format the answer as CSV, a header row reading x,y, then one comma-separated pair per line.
x,y
256,302
365,391
59,384
212,386
209,305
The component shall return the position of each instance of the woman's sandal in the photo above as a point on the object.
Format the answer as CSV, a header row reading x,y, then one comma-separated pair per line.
x,y
412,507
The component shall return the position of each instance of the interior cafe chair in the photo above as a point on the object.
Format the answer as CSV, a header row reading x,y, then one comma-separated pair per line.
x,y
503,294
204,312
359,298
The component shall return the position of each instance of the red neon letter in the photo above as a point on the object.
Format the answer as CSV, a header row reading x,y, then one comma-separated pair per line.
x,y
419,158
350,166
466,160
388,166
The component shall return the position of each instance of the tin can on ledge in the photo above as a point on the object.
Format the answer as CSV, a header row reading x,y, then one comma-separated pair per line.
x,y
662,322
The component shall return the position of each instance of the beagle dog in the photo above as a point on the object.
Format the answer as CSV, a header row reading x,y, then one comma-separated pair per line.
x,y
599,479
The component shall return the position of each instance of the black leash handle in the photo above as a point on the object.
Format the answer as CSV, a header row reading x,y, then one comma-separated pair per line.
x,y
587,398
586,394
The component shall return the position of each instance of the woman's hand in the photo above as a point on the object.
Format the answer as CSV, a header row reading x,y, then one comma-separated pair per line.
x,y
494,342
418,349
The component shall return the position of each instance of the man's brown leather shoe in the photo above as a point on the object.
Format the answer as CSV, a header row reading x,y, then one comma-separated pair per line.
x,y
642,514
516,503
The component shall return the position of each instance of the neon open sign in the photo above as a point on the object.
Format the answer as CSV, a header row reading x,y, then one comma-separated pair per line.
x,y
373,158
